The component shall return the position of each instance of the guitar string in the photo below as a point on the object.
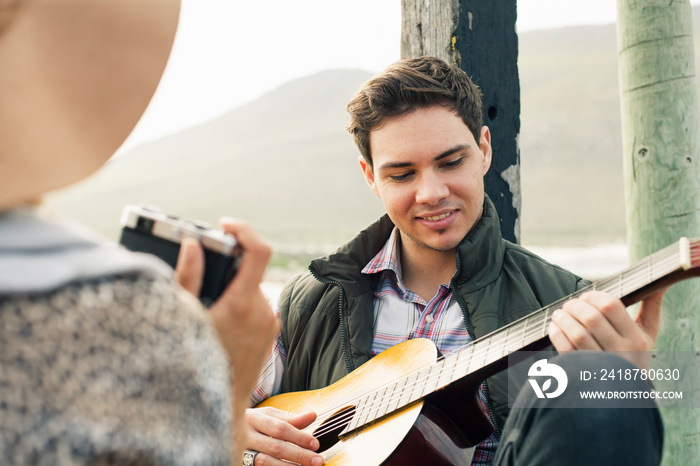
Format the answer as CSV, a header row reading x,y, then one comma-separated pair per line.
x,y
543,317
504,351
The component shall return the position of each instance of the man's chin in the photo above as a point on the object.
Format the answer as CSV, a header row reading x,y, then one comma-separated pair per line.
x,y
442,245
437,240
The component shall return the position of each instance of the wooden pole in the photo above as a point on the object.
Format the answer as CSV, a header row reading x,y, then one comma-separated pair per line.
x,y
479,37
659,113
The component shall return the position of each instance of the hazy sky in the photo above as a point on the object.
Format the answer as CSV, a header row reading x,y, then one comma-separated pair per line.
x,y
228,52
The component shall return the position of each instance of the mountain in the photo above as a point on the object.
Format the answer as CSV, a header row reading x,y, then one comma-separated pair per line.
x,y
570,137
286,163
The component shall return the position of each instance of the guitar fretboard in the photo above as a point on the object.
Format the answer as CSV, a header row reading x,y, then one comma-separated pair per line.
x,y
520,334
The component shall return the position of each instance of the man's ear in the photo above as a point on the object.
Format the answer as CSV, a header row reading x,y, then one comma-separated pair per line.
x,y
485,146
369,175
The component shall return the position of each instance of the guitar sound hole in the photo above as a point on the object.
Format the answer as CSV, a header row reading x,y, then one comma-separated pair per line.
x,y
328,432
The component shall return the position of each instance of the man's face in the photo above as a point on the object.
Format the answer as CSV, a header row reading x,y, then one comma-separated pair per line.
x,y
429,173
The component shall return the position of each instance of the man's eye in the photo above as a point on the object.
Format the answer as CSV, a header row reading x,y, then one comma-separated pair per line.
x,y
401,177
454,163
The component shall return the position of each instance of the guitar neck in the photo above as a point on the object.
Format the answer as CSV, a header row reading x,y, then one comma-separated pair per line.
x,y
631,285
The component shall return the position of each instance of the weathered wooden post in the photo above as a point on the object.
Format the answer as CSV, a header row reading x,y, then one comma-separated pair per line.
x,y
480,37
662,174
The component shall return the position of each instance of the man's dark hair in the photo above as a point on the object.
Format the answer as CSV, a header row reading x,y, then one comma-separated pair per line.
x,y
410,84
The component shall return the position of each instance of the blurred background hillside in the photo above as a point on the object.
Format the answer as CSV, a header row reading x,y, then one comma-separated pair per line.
x,y
286,163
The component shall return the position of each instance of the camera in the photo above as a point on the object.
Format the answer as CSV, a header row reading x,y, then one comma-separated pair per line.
x,y
149,229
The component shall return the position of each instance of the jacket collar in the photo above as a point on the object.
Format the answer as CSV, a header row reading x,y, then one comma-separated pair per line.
x,y
479,255
344,266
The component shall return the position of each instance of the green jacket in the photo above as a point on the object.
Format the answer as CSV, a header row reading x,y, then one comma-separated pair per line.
x,y
327,313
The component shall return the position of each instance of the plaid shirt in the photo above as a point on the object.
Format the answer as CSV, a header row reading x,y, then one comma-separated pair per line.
x,y
399,315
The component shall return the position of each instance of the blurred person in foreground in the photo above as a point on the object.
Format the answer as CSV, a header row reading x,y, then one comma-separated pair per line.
x,y
437,267
103,358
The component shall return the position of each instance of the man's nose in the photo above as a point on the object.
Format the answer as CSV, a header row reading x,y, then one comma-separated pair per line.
x,y
431,188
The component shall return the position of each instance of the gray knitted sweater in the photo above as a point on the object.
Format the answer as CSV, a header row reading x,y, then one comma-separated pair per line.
x,y
111,365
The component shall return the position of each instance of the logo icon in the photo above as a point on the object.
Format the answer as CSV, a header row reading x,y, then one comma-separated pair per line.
x,y
542,368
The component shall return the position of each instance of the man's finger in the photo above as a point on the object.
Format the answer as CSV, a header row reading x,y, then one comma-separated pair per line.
x,y
613,310
576,333
598,323
277,452
286,426
558,339
278,434
650,314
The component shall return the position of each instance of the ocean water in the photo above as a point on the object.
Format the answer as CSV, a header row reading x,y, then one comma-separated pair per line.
x,y
593,262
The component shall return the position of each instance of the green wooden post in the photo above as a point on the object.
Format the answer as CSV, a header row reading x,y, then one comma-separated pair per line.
x,y
659,113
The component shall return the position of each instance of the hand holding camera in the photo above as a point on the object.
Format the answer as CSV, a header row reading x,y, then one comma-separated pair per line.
x,y
149,229
211,264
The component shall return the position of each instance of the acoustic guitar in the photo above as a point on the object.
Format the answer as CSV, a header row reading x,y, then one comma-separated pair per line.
x,y
409,405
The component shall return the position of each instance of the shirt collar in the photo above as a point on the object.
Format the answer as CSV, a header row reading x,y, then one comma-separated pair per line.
x,y
388,258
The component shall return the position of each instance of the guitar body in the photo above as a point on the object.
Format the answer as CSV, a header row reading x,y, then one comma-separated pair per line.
x,y
429,431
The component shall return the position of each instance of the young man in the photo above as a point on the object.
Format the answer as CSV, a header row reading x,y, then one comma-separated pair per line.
x,y
437,267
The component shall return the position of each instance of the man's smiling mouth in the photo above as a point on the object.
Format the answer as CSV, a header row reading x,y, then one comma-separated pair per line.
x,y
435,218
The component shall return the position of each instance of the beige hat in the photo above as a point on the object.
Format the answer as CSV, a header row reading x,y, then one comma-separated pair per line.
x,y
75,77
